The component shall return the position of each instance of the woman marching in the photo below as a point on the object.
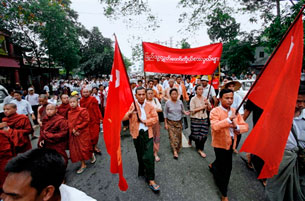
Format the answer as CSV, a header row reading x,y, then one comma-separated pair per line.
x,y
173,112
199,120
156,127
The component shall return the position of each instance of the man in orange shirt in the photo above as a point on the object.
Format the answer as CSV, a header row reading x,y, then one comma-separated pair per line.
x,y
226,125
182,89
141,121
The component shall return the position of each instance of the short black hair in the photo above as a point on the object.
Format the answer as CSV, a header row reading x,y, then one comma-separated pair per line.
x,y
149,89
46,166
139,88
302,88
140,81
10,90
62,95
150,81
155,78
172,90
225,91
18,92
198,85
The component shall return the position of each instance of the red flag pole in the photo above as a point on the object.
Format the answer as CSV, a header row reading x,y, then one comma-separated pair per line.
x,y
134,102
273,53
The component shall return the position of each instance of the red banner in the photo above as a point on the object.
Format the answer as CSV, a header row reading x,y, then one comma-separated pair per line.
x,y
193,61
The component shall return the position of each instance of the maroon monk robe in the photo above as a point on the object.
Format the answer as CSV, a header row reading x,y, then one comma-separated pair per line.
x,y
63,110
91,104
80,146
23,128
42,112
55,134
6,153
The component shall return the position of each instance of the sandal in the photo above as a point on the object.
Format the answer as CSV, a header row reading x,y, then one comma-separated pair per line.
x,y
249,165
93,159
157,158
202,154
97,151
81,170
154,187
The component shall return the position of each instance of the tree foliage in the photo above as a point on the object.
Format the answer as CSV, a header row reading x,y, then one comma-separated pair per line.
x,y
97,54
222,26
47,28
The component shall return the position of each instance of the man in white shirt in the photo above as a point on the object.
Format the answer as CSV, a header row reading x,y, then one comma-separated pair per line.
x,y
32,98
206,88
23,106
29,179
10,97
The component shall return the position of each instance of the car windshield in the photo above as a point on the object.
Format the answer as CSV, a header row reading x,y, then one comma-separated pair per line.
x,y
2,95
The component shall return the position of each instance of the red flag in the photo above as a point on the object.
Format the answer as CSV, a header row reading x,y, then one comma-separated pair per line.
x,y
193,61
118,102
276,92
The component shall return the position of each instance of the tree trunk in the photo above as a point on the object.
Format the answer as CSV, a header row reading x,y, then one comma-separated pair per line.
x,y
278,9
67,73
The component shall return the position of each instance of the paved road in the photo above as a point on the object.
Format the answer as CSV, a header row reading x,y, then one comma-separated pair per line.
x,y
187,179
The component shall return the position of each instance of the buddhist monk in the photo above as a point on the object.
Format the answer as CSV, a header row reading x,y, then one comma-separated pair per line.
x,y
91,104
79,135
43,102
6,152
55,132
64,108
21,126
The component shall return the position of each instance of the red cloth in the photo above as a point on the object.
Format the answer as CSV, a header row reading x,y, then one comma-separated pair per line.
x,y
42,111
55,134
276,93
193,61
215,83
63,110
22,128
91,104
80,146
118,102
6,153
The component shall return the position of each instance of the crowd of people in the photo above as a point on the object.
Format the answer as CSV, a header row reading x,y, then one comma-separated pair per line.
x,y
74,121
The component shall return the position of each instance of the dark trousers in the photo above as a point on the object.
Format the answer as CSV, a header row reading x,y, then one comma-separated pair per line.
x,y
238,140
126,123
221,169
200,143
145,153
35,110
258,163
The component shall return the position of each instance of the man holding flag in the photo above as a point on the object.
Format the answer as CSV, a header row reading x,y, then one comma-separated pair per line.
x,y
141,119
275,91
289,183
119,100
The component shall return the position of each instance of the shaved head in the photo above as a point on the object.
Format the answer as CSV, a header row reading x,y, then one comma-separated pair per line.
x,y
51,106
9,109
86,92
13,105
51,110
43,96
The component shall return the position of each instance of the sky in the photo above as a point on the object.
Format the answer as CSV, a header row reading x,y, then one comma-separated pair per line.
x,y
91,14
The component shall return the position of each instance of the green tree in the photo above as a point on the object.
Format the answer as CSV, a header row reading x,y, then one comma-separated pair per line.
x,y
222,26
47,28
97,54
184,44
